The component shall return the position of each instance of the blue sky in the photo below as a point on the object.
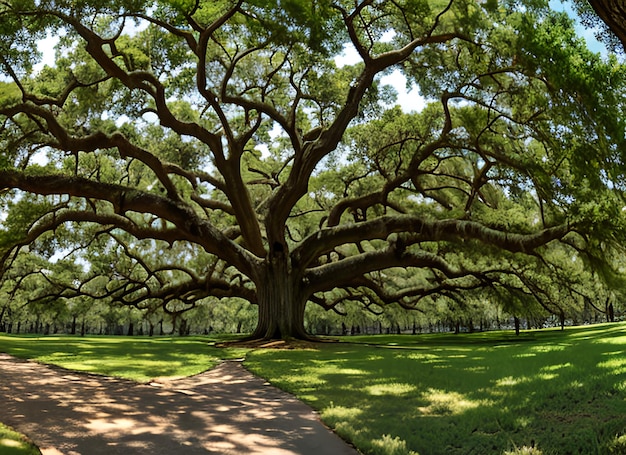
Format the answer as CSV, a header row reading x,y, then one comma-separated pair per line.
x,y
588,34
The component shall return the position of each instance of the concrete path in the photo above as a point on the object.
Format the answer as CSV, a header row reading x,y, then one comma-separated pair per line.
x,y
224,411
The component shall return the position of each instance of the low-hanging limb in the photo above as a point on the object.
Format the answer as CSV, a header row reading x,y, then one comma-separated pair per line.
x,y
381,228
189,226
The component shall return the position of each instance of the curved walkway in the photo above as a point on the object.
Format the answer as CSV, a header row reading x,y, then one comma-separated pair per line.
x,y
226,410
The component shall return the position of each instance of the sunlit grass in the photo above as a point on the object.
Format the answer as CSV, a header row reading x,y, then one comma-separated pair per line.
x,y
141,359
13,443
544,392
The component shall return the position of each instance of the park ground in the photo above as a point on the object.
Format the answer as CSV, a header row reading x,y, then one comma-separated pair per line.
x,y
543,392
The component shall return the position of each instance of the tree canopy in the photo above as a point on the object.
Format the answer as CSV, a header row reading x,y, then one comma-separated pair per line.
x,y
181,150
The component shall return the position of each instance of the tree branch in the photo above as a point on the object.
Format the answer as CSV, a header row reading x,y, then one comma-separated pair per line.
x,y
328,239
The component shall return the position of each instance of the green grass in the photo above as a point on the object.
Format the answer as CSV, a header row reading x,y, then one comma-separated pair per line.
x,y
544,392
13,443
138,358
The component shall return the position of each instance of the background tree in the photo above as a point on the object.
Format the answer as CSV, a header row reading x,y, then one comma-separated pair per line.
x,y
187,150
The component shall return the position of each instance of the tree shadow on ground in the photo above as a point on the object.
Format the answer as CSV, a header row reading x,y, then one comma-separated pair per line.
x,y
223,411
564,392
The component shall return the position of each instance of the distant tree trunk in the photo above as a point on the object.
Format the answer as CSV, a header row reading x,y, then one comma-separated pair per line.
x,y
73,329
610,311
517,325
82,328
174,323
2,324
131,329
562,319
182,329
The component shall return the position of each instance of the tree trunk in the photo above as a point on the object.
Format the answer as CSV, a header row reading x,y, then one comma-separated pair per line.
x,y
281,304
182,329
2,325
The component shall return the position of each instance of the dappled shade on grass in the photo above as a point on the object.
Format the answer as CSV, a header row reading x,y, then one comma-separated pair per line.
x,y
141,359
562,392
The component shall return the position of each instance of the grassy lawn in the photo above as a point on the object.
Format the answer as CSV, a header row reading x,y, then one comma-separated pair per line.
x,y
544,392
12,443
489,393
138,358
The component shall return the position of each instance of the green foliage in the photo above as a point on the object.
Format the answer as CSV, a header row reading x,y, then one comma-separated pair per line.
x,y
313,23
9,93
27,211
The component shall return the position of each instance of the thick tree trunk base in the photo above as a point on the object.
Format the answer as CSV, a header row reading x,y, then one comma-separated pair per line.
x,y
281,304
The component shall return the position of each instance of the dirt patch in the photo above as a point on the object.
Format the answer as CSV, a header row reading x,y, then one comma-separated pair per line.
x,y
276,344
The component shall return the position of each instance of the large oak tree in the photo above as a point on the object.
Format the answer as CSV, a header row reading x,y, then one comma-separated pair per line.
x,y
191,149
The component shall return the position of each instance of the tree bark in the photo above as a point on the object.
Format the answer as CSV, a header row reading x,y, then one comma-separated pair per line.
x,y
281,303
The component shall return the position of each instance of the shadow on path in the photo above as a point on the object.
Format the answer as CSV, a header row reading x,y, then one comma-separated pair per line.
x,y
226,410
